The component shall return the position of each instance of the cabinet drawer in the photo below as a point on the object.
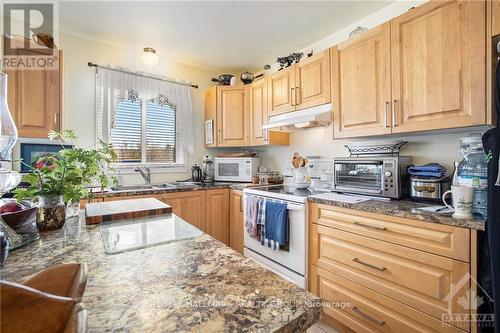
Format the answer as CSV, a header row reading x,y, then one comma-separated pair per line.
x,y
364,310
439,239
419,279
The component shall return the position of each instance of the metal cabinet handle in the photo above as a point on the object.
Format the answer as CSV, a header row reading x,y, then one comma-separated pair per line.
x,y
55,121
367,316
386,116
379,268
292,96
394,122
370,226
296,93
219,136
241,204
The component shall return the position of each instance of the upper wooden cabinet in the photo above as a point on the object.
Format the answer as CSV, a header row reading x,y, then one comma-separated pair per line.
x,y
232,116
34,98
258,111
361,87
301,85
423,70
259,116
227,107
312,81
495,17
438,66
281,91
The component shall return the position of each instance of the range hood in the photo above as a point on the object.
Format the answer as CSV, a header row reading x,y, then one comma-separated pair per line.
x,y
307,118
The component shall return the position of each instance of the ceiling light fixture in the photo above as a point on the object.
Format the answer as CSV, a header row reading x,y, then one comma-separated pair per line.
x,y
149,57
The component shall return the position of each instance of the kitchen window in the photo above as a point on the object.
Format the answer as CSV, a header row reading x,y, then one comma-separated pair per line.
x,y
144,120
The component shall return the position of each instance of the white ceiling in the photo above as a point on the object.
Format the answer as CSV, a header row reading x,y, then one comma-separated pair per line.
x,y
217,35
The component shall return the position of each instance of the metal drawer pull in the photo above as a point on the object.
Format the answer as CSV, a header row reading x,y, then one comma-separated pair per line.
x,y
367,316
394,113
379,268
370,226
386,123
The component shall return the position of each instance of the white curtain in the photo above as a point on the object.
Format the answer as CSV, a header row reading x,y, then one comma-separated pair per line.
x,y
114,85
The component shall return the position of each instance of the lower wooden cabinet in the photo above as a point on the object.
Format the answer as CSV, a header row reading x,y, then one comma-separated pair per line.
x,y
217,214
380,273
236,220
189,206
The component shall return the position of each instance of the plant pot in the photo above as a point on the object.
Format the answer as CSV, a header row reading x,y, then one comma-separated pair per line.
x,y
51,213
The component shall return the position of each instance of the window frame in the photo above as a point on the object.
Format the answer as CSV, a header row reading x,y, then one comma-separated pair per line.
x,y
155,167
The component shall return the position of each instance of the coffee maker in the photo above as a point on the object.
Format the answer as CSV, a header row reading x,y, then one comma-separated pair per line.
x,y
208,169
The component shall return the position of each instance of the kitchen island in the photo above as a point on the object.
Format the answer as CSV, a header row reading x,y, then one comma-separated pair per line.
x,y
194,285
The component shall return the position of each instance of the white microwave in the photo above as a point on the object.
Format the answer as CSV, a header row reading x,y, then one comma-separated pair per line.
x,y
236,169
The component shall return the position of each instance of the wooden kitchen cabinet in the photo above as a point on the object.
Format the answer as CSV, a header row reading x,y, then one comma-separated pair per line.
x,y
281,91
217,214
232,116
259,116
395,271
236,222
189,206
228,109
34,98
312,81
438,66
361,84
300,86
495,17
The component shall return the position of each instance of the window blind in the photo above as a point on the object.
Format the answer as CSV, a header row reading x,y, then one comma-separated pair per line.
x,y
126,134
160,133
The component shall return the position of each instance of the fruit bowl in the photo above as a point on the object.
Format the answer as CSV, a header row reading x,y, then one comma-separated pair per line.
x,y
22,221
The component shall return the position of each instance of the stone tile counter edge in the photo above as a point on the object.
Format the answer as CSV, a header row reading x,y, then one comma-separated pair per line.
x,y
404,209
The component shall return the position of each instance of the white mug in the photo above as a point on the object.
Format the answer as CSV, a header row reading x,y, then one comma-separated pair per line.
x,y
462,199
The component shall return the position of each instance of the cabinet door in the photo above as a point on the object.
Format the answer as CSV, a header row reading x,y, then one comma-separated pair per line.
x,y
35,100
189,206
281,91
495,19
232,116
361,84
217,214
258,112
236,228
312,81
438,66
211,115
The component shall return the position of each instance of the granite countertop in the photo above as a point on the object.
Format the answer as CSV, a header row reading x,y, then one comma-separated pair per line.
x,y
184,188
196,285
406,209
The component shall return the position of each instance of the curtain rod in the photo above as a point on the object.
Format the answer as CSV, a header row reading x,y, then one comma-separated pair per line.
x,y
90,64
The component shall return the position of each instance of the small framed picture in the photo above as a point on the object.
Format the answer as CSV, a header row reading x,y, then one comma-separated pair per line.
x,y
209,131
30,152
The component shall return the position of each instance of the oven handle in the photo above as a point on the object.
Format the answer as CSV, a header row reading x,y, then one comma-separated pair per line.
x,y
347,189
358,162
289,206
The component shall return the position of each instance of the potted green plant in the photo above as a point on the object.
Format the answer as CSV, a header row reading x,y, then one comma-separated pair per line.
x,y
62,178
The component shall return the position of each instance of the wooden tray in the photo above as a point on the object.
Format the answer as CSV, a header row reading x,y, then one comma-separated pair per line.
x,y
49,301
99,212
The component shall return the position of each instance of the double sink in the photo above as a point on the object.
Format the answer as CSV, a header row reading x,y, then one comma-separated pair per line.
x,y
171,186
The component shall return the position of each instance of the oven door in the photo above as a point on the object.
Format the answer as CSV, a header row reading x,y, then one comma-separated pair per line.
x,y
229,170
359,176
295,258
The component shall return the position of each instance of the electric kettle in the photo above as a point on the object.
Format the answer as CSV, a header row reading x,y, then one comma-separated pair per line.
x,y
196,173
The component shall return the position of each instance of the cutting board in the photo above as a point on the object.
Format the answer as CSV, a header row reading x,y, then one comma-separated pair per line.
x,y
99,212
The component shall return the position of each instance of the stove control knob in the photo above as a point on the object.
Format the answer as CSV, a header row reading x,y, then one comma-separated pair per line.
x,y
388,174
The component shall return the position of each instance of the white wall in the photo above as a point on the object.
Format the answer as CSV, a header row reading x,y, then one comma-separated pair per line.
x,y
79,86
441,147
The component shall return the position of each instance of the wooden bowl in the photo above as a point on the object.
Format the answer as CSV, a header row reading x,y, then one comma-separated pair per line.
x,y
21,221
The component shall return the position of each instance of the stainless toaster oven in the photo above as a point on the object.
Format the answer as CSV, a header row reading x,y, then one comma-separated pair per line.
x,y
382,176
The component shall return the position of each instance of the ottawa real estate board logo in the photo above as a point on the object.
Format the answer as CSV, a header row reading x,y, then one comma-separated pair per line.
x,y
28,37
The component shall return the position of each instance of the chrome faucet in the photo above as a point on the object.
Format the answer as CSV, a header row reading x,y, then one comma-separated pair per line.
x,y
145,173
